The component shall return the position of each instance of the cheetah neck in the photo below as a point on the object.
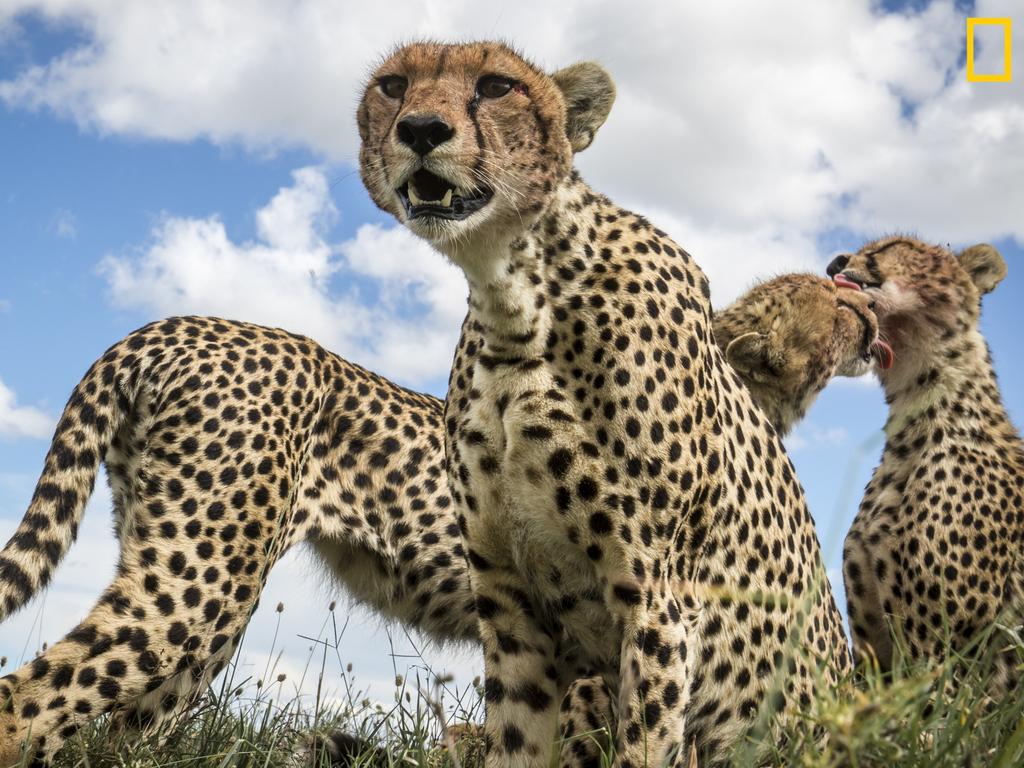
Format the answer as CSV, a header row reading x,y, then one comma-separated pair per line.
x,y
509,279
948,382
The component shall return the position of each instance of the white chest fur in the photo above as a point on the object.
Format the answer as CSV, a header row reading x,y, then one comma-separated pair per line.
x,y
518,520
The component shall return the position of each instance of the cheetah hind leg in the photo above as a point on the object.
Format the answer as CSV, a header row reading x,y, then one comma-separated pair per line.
x,y
159,713
106,663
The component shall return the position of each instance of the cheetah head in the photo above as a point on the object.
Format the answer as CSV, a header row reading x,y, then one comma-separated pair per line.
x,y
922,292
466,143
788,337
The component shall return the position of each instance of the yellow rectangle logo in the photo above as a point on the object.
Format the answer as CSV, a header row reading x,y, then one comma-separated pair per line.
x,y
1005,75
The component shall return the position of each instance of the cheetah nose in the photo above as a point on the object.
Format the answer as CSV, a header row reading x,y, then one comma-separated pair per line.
x,y
837,265
423,133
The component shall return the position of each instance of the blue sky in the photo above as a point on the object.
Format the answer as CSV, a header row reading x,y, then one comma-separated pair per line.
x,y
121,167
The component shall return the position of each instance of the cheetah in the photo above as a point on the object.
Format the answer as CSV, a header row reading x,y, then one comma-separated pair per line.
x,y
936,544
626,508
397,548
788,337
225,443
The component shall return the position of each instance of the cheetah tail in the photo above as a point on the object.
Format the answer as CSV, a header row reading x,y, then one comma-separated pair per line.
x,y
96,410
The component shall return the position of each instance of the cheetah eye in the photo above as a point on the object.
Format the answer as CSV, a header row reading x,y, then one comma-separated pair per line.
x,y
494,86
393,86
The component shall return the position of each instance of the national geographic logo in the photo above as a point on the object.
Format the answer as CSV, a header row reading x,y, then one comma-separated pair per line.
x,y
999,77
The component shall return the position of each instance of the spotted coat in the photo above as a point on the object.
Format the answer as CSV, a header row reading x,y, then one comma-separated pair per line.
x,y
225,444
397,548
936,547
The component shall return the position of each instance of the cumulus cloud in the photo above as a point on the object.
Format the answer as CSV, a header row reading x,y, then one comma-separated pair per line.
x,y
795,116
21,420
811,435
397,311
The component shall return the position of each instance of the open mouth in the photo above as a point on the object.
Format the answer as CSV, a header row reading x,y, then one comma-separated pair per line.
x,y
844,280
427,194
878,350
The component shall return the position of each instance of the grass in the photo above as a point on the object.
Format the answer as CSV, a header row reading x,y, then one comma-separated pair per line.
x,y
255,724
917,715
922,715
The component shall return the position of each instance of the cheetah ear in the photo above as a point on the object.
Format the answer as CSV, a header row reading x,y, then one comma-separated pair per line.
x,y
589,94
985,266
754,355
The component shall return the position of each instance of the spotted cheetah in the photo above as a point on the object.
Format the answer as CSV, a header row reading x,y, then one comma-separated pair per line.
x,y
225,443
627,509
788,337
397,549
936,545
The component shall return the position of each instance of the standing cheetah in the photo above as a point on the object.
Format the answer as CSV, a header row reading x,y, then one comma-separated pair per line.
x,y
627,509
225,443
936,545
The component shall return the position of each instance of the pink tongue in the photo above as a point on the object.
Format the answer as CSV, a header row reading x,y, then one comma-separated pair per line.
x,y
844,282
884,354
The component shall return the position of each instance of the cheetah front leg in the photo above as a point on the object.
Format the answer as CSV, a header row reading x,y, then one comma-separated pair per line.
x,y
521,689
866,556
654,677
586,724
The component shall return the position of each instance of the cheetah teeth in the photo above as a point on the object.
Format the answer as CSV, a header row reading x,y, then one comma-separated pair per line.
x,y
444,202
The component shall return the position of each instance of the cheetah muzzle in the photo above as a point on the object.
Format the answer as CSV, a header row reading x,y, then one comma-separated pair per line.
x,y
878,349
426,194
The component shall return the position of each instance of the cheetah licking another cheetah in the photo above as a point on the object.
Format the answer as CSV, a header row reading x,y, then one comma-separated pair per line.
x,y
627,510
936,547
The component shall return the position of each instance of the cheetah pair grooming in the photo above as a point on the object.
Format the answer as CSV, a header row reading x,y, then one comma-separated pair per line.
x,y
600,496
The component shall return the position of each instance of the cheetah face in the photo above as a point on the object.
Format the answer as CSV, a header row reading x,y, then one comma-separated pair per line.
x,y
919,289
465,144
788,337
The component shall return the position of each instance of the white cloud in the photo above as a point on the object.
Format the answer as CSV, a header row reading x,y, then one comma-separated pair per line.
x,y
792,116
64,224
21,420
864,381
809,435
398,312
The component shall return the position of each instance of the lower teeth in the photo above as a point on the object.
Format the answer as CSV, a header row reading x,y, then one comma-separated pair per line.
x,y
444,202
